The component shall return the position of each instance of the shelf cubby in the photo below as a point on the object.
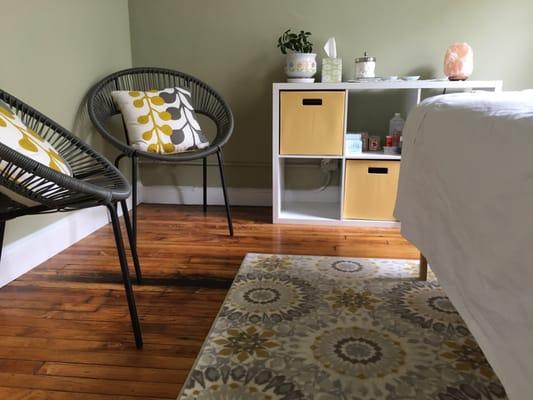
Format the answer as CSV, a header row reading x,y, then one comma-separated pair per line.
x,y
297,179
306,193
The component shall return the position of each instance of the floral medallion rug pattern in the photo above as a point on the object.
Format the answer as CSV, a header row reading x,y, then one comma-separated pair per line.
x,y
324,328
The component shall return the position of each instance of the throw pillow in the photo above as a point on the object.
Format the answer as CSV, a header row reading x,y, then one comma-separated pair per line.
x,y
16,135
160,121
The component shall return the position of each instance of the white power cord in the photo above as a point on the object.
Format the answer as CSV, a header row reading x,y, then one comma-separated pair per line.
x,y
326,183
327,165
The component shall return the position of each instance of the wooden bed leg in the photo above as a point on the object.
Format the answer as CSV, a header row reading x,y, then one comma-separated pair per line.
x,y
423,271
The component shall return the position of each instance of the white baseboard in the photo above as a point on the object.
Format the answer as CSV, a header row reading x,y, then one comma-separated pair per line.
x,y
162,194
28,252
17,259
193,195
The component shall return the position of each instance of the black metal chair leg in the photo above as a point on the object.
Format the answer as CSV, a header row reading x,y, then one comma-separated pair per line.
x,y
205,182
126,277
2,232
134,197
226,200
132,236
133,245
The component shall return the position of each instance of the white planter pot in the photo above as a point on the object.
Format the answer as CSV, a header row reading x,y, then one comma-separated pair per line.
x,y
300,65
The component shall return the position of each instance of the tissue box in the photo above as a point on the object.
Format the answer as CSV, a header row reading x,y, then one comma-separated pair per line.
x,y
332,70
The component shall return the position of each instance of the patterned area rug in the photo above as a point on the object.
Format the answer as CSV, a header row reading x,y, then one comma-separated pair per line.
x,y
301,327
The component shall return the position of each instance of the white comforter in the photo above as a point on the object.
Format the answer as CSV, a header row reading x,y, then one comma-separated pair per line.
x,y
465,200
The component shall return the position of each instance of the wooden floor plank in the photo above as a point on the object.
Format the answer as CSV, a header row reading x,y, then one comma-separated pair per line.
x,y
9,393
85,385
113,372
108,357
65,330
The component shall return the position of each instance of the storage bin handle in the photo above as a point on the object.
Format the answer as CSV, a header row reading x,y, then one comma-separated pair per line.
x,y
311,102
378,170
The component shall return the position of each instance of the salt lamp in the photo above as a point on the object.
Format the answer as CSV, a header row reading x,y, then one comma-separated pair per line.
x,y
459,62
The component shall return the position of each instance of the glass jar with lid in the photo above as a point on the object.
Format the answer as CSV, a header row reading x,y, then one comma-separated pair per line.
x,y
365,67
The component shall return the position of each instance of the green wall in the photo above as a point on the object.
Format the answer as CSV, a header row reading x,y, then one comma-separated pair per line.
x,y
52,52
231,45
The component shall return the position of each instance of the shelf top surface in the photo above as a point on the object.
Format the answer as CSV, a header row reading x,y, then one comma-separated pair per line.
x,y
366,155
398,84
373,155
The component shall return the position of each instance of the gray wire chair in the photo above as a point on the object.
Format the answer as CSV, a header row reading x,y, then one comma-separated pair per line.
x,y
206,101
95,182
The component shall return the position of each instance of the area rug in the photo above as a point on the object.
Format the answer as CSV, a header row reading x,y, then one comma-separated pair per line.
x,y
325,328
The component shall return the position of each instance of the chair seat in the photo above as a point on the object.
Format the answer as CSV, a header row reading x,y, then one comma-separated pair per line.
x,y
178,157
205,101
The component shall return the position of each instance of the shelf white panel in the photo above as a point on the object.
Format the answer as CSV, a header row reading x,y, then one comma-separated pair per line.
x,y
375,155
308,156
312,211
399,84
361,223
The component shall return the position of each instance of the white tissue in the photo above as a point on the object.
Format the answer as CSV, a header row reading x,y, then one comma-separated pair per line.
x,y
331,48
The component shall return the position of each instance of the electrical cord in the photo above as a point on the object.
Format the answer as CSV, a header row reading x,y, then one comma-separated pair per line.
x,y
326,183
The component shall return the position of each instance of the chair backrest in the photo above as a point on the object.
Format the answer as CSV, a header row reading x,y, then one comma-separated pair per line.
x,y
205,99
41,188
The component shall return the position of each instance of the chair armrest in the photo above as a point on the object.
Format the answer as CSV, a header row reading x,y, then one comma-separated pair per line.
x,y
38,182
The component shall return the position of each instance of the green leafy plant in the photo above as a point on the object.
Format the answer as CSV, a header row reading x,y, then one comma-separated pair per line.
x,y
296,42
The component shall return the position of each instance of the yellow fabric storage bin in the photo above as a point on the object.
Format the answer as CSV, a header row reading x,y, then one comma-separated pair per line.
x,y
312,123
370,189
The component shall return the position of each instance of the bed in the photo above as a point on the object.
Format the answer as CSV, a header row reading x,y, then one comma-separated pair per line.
x,y
465,199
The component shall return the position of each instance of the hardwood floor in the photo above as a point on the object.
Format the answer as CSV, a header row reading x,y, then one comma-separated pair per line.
x,y
64,327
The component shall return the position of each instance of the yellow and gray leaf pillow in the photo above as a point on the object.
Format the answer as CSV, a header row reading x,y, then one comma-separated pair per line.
x,y
160,121
15,134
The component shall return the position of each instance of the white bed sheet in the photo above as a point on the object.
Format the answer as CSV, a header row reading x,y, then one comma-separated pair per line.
x,y
465,199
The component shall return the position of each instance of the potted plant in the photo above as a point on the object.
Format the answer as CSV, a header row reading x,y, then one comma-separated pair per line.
x,y
300,59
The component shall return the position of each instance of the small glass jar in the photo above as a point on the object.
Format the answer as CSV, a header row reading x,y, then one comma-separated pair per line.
x,y
365,67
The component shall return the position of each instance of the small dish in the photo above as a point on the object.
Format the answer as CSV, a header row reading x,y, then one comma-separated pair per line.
x,y
374,79
390,150
390,78
411,78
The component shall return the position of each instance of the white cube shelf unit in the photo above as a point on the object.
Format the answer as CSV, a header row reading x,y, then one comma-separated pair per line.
x,y
323,204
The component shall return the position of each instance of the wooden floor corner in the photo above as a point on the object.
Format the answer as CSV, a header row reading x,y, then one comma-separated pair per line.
x,y
64,327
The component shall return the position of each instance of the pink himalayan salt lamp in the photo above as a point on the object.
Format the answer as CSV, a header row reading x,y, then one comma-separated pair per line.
x,y
459,62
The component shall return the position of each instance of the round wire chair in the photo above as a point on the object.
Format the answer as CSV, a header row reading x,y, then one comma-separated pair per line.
x,y
205,101
94,182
